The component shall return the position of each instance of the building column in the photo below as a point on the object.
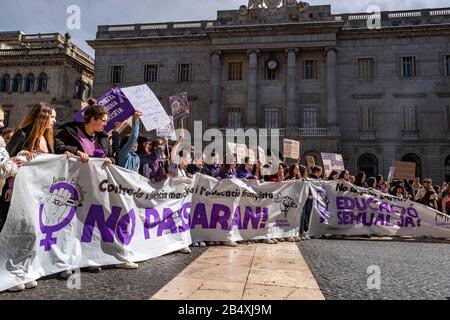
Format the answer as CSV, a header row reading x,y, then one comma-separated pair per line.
x,y
215,114
331,91
252,105
291,114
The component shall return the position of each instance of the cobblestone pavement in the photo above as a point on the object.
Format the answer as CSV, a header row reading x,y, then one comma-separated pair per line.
x,y
113,284
409,270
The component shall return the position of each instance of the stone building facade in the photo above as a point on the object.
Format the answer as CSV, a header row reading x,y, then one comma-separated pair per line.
x,y
330,80
42,68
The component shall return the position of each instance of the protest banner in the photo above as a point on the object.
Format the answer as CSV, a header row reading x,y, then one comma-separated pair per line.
x,y
332,161
69,215
343,209
404,170
118,106
310,161
235,210
291,149
153,114
180,106
167,131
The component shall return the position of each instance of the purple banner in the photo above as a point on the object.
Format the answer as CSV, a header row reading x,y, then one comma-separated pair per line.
x,y
118,106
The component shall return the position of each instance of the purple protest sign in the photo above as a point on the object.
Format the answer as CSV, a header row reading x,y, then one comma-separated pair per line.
x,y
180,106
118,106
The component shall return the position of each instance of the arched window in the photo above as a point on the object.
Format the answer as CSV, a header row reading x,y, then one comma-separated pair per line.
x,y
5,83
42,83
413,158
447,169
86,92
17,83
368,163
29,83
79,89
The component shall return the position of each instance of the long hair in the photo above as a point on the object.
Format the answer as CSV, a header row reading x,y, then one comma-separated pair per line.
x,y
37,119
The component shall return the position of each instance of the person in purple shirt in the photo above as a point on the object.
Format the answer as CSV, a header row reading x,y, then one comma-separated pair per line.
x,y
228,171
246,170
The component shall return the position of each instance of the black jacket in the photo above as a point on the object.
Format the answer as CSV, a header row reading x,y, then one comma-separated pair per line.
x,y
17,142
67,140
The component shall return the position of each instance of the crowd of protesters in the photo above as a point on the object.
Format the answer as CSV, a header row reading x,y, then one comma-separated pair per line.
x,y
154,160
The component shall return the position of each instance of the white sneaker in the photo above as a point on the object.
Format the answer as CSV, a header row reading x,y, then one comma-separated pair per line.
x,y
274,240
230,243
269,241
185,250
127,265
195,245
307,237
289,239
297,239
17,288
280,239
202,244
31,285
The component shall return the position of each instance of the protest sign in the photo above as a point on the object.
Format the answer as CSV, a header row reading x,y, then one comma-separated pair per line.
x,y
310,161
118,106
180,105
404,170
291,149
143,99
332,161
167,131
241,153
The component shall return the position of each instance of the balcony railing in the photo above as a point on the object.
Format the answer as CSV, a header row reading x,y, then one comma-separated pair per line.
x,y
312,132
410,135
367,135
272,132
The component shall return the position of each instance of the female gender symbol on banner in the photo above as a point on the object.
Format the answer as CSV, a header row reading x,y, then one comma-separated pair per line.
x,y
58,209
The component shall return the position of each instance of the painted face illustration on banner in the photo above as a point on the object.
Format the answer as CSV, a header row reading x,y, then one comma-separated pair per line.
x,y
322,204
286,204
57,210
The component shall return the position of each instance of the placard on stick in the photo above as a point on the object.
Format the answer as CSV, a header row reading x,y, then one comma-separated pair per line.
x,y
404,170
291,149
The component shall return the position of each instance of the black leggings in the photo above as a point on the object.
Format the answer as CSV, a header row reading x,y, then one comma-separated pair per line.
x,y
306,215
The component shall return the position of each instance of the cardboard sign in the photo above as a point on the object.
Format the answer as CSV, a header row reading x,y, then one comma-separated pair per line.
x,y
404,170
332,161
262,155
291,149
167,131
143,99
252,155
241,153
310,161
180,106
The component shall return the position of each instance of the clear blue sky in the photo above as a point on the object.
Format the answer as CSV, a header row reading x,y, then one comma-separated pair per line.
x,y
48,16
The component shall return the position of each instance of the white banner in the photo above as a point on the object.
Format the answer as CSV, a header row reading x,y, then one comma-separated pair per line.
x,y
66,215
234,210
343,209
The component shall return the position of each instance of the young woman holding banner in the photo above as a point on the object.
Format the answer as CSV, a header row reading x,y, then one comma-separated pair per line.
x,y
34,136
